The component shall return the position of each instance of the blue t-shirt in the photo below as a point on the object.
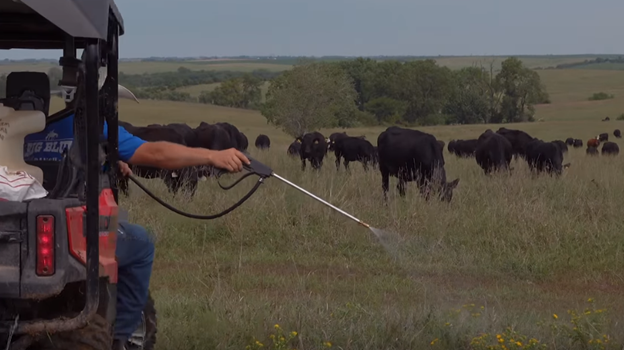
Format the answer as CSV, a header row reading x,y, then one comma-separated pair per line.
x,y
48,145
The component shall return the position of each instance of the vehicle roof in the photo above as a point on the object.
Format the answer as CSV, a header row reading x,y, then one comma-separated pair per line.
x,y
43,24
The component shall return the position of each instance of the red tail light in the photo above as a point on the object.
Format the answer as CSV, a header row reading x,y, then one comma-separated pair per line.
x,y
45,245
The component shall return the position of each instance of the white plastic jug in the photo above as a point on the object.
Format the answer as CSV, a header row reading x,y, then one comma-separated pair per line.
x,y
14,126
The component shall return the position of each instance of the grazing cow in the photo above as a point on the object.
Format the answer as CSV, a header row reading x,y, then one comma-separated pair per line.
x,y
591,151
313,149
569,141
451,146
463,148
237,139
412,155
494,152
331,140
262,141
562,145
610,148
173,179
353,149
295,148
593,142
603,137
243,142
441,144
617,133
606,119
544,156
518,139
578,143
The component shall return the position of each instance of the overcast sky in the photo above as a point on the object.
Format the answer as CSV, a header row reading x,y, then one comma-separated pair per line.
x,y
366,27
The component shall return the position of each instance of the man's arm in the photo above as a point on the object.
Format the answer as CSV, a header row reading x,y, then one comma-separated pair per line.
x,y
172,156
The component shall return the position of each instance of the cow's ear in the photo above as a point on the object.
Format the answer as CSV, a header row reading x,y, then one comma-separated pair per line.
x,y
452,184
316,142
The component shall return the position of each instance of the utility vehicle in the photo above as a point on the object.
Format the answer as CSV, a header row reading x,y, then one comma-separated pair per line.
x,y
58,271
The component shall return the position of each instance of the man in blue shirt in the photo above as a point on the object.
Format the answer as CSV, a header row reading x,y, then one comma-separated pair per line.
x,y
135,249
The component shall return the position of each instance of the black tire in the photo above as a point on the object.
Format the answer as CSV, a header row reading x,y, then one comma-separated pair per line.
x,y
96,335
150,322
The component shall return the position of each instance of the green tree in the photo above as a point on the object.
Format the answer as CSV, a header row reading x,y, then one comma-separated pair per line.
x,y
522,89
242,92
425,87
468,101
310,96
361,71
386,109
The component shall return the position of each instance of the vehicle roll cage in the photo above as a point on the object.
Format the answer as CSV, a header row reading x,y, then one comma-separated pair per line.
x,y
30,24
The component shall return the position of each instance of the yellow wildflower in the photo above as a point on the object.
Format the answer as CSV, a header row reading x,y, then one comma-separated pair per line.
x,y
276,326
434,341
518,343
590,300
501,340
327,344
555,316
259,343
293,333
272,336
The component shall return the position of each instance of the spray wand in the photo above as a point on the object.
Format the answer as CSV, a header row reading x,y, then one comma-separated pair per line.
x,y
253,168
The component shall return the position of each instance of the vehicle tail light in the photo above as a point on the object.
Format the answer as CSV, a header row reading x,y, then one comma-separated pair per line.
x,y
45,245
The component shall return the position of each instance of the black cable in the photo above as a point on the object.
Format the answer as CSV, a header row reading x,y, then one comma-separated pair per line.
x,y
201,217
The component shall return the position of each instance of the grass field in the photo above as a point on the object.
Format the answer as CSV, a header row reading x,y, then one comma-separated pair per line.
x,y
542,256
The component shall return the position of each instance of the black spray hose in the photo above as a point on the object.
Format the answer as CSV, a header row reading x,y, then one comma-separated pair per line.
x,y
254,168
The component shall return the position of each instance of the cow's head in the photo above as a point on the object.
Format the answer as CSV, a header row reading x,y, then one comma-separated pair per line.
x,y
447,190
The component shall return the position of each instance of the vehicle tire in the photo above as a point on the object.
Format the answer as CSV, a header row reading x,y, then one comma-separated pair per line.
x,y
96,335
145,336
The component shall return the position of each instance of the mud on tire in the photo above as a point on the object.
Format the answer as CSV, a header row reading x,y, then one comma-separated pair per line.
x,y
96,335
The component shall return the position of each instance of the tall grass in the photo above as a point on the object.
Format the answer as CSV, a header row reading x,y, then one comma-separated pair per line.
x,y
519,247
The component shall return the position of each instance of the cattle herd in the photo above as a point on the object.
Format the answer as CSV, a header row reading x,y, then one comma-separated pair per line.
x,y
407,154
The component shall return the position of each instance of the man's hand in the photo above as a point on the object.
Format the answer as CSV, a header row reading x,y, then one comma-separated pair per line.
x,y
230,159
124,168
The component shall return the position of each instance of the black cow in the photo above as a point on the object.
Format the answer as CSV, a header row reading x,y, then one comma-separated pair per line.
x,y
603,137
412,155
173,179
353,149
544,156
494,152
578,143
463,148
313,149
518,139
562,145
617,133
606,119
295,148
569,141
331,140
610,148
243,142
263,141
592,151
235,138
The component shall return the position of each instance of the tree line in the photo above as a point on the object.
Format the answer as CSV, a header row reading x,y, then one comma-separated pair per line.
x,y
316,95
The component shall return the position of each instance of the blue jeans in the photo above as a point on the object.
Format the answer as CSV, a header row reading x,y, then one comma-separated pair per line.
x,y
135,256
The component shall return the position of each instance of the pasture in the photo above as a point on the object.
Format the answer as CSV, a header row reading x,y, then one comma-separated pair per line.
x,y
541,255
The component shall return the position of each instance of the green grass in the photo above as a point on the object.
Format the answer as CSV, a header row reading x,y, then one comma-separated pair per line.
x,y
523,247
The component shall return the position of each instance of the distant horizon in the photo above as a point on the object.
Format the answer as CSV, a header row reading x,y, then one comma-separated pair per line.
x,y
55,57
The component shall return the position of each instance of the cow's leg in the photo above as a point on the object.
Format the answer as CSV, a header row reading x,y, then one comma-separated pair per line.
x,y
303,164
122,185
365,165
385,182
346,165
401,186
